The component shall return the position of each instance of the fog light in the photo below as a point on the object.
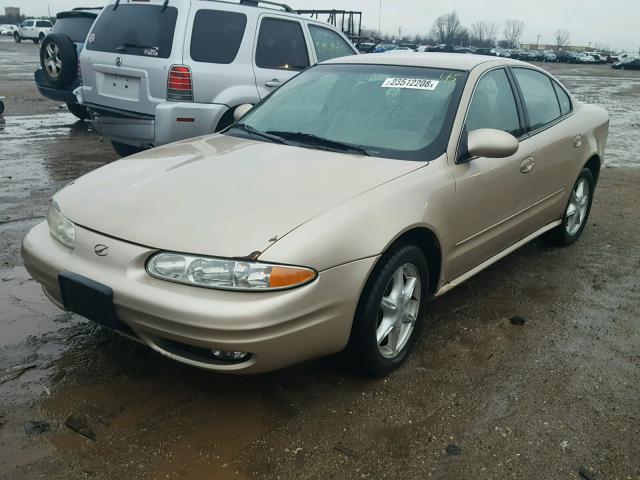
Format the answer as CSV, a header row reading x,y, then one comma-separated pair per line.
x,y
229,356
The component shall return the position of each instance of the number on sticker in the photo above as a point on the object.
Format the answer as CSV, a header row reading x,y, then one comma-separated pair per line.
x,y
417,83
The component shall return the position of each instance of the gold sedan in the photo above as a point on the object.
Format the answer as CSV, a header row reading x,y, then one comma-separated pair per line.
x,y
328,215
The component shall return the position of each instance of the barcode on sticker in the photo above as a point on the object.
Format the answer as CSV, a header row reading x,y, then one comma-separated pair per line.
x,y
418,83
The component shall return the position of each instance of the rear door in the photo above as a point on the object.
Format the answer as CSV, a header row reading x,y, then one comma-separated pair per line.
x,y
128,54
280,52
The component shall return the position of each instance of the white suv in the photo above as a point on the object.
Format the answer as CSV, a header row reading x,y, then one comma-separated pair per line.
x,y
33,29
162,71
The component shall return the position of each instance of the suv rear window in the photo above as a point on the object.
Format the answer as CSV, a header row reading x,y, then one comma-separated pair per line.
x,y
76,28
217,36
143,30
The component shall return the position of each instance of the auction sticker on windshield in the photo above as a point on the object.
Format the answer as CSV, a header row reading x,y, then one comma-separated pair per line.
x,y
418,83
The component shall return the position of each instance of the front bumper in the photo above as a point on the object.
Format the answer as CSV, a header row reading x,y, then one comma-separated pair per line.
x,y
276,328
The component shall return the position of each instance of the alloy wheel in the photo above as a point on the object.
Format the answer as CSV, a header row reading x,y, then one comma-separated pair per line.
x,y
52,61
577,209
398,310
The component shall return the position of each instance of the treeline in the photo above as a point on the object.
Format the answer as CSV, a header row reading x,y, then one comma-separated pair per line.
x,y
447,29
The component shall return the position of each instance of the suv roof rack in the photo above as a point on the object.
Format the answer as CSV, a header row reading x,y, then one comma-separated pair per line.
x,y
87,8
256,3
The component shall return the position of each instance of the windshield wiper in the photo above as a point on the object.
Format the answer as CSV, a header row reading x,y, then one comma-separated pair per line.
x,y
124,45
252,131
310,139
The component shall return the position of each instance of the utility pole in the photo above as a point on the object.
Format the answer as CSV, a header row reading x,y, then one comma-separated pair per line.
x,y
49,10
538,42
399,34
590,45
380,19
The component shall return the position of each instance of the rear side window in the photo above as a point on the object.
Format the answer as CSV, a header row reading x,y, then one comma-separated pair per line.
x,y
74,28
539,97
563,99
493,105
143,30
281,45
217,36
328,44
43,24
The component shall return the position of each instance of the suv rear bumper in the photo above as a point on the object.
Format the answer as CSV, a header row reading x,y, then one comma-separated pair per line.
x,y
172,122
47,89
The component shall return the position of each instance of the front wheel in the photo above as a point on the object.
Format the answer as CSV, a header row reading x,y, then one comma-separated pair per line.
x,y
577,210
125,150
16,37
390,313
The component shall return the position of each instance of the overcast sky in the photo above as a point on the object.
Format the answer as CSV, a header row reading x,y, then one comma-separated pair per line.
x,y
611,23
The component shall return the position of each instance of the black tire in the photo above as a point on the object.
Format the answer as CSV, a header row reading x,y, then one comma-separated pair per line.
x,y
78,110
16,37
61,49
362,349
125,150
561,234
226,120
1,107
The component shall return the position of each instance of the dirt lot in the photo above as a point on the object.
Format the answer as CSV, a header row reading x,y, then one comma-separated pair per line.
x,y
539,400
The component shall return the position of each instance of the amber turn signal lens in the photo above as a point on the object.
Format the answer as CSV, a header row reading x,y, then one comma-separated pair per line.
x,y
284,276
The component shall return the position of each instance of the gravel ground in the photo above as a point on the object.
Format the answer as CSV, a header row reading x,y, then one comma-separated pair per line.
x,y
480,398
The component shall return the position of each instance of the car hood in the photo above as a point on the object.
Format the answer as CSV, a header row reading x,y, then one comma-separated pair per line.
x,y
219,195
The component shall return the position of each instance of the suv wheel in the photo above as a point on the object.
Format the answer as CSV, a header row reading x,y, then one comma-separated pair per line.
x,y
390,313
16,37
576,212
125,150
78,110
59,59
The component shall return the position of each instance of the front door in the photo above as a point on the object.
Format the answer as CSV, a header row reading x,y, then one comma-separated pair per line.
x,y
489,191
280,52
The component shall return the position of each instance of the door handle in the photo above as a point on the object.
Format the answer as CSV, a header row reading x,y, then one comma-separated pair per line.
x,y
527,165
273,83
577,141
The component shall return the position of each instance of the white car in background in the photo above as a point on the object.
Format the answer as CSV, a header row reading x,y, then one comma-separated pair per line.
x,y
8,29
33,29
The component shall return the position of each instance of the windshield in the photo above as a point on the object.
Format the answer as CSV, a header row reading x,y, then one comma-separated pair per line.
x,y
385,111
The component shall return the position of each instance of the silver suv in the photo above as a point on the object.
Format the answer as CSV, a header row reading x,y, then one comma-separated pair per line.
x,y
160,71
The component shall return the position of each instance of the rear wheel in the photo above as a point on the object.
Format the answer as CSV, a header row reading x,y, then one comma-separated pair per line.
x,y
390,313
78,110
577,210
16,37
125,150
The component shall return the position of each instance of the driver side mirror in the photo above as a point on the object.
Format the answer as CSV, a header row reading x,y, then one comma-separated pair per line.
x,y
241,110
491,143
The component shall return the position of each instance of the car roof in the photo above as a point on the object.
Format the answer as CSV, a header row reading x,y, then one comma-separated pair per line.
x,y
452,61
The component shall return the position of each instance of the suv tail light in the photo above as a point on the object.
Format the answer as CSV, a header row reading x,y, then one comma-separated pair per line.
x,y
179,86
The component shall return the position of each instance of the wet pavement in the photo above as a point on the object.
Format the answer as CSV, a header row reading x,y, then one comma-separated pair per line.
x,y
481,397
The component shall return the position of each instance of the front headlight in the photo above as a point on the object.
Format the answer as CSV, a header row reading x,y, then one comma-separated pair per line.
x,y
225,273
61,228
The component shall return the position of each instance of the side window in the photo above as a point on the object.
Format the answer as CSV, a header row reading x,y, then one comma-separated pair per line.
x,y
493,105
27,24
328,44
281,45
217,35
539,97
563,98
43,24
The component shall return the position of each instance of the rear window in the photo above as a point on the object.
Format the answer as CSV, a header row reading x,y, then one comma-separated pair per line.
x,y
43,24
217,36
74,28
143,30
